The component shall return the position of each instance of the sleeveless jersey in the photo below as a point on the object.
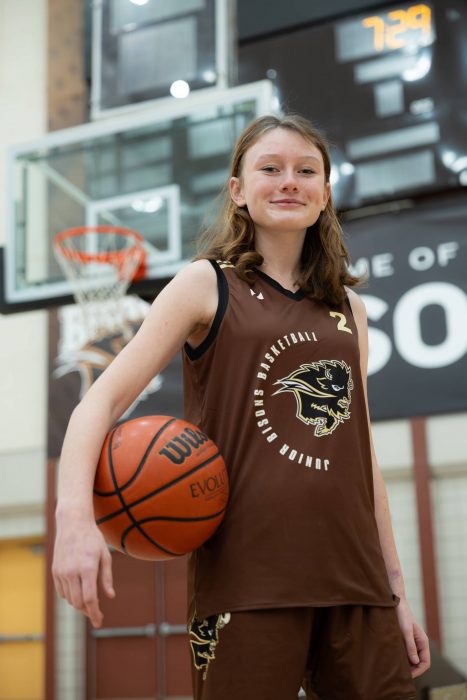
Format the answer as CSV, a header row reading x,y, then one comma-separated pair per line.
x,y
276,384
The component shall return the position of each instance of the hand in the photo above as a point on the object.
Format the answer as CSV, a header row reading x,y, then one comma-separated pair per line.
x,y
416,640
81,558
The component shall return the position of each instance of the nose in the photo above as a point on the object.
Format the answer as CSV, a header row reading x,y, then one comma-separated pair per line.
x,y
289,181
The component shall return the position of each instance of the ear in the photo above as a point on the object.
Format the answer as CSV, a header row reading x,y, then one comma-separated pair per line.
x,y
236,191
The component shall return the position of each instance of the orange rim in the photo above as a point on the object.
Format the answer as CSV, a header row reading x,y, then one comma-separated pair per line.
x,y
116,257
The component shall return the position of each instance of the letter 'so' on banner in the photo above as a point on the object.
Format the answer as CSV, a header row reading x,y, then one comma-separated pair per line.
x,y
416,301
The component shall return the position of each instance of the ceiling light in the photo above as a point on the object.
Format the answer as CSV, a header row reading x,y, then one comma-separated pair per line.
x,y
148,206
180,89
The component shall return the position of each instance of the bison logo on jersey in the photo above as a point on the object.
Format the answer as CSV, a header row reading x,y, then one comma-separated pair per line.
x,y
322,391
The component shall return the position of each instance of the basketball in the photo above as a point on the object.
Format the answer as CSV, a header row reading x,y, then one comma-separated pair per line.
x,y
161,488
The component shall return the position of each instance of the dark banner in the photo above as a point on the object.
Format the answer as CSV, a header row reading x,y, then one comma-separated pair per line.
x,y
416,300
76,362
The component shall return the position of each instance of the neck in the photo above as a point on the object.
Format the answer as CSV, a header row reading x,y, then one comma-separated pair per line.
x,y
281,253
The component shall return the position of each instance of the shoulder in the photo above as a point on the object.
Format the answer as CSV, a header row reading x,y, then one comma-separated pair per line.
x,y
198,278
359,313
357,305
197,284
361,321
194,287
198,272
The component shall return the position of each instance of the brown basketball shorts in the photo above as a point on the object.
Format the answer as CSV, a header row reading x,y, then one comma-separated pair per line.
x,y
345,652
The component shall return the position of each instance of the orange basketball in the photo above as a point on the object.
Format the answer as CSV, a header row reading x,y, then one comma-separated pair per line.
x,y
161,487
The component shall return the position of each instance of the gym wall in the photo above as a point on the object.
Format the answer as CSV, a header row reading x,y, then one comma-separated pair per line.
x,y
23,337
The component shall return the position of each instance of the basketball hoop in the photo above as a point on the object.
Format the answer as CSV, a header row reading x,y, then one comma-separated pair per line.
x,y
100,262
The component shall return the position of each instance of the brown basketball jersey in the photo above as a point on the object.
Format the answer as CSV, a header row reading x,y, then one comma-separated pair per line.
x,y
277,385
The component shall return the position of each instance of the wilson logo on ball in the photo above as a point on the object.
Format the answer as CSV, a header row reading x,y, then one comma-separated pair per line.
x,y
182,446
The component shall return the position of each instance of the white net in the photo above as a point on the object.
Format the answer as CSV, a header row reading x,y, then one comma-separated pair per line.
x,y
100,264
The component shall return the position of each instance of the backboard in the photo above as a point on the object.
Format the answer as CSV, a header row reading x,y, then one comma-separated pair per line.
x,y
155,172
142,51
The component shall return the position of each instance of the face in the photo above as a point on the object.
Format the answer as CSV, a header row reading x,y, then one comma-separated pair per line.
x,y
282,182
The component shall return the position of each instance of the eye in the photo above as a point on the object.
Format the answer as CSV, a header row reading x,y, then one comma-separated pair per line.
x,y
269,168
308,171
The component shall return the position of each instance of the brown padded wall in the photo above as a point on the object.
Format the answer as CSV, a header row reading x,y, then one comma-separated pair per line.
x,y
67,99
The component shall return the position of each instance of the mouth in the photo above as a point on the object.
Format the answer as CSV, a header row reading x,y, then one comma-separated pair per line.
x,y
287,202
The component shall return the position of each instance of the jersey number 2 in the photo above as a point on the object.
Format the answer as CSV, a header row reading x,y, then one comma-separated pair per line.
x,y
342,325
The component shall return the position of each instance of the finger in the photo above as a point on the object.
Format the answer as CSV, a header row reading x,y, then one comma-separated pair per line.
x,y
412,651
425,662
59,587
76,594
422,644
419,670
106,574
66,590
90,599
63,591
424,653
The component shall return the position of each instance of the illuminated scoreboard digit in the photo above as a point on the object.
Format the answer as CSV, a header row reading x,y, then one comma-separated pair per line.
x,y
402,27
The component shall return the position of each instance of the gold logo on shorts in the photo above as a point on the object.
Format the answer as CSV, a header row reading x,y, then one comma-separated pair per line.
x,y
204,637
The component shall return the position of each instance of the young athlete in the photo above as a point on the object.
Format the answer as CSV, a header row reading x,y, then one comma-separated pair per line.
x,y
301,584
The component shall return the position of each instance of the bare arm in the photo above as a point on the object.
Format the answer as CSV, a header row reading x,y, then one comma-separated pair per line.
x,y
415,638
181,309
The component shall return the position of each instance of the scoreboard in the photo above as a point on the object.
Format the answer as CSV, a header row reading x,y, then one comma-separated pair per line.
x,y
389,89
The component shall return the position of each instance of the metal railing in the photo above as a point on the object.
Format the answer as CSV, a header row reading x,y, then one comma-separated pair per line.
x,y
164,629
9,638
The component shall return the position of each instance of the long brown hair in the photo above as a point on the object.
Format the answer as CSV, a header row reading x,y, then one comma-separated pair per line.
x,y
231,236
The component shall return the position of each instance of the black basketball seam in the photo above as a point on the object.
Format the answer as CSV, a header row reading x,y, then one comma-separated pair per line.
x,y
142,462
105,518
117,490
153,542
126,532
183,520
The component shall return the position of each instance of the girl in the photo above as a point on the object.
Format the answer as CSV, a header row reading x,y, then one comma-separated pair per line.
x,y
301,584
